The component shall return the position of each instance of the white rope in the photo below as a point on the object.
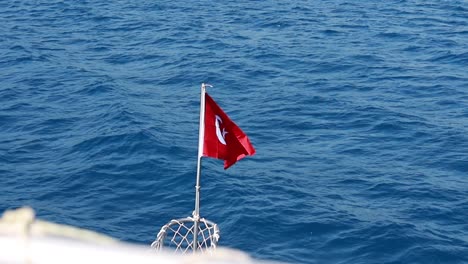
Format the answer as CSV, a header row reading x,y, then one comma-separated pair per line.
x,y
24,240
178,235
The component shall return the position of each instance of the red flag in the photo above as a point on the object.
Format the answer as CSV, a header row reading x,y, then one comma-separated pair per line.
x,y
223,138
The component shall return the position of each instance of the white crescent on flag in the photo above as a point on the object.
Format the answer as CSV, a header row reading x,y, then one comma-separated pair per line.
x,y
219,134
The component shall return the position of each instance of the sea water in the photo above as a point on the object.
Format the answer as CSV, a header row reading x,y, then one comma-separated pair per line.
x,y
358,111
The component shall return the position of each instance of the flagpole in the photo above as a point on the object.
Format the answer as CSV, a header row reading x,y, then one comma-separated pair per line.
x,y
201,135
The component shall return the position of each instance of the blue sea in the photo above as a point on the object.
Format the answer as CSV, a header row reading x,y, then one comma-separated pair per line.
x,y
358,111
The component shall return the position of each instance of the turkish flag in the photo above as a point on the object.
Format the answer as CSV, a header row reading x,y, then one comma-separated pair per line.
x,y
223,139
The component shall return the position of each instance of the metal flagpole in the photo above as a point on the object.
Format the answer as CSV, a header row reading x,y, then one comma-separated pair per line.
x,y
201,135
176,233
